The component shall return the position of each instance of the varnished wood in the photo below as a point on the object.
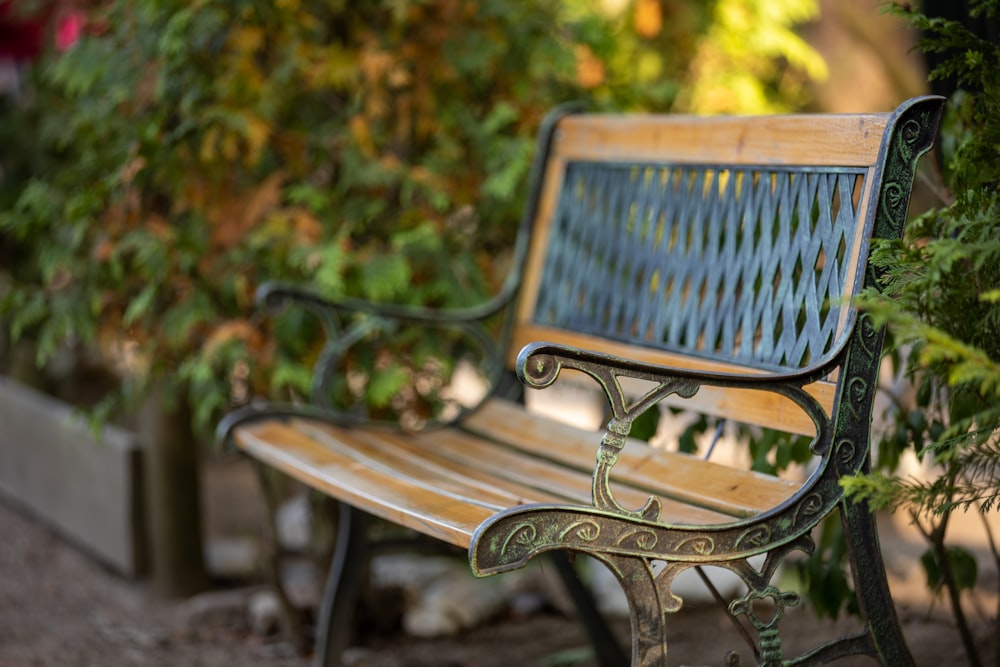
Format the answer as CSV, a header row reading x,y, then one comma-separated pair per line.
x,y
400,500
815,139
686,479
444,483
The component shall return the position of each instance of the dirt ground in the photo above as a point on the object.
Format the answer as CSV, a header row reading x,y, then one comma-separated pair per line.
x,y
60,607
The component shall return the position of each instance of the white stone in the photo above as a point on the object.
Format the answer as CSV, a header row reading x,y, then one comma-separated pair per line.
x,y
263,610
293,519
217,609
233,557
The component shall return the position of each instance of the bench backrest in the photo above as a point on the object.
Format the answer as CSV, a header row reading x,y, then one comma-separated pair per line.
x,y
728,243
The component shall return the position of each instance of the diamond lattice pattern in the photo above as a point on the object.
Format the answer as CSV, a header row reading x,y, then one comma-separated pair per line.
x,y
702,260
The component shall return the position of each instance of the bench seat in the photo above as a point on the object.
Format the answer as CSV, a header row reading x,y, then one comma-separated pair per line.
x,y
446,482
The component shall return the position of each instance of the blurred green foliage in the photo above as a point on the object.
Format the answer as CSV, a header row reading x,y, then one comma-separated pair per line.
x,y
183,152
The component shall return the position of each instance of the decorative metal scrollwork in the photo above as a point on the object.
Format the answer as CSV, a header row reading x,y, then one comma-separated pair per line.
x,y
756,537
767,628
809,507
703,545
523,535
584,531
645,540
856,397
846,457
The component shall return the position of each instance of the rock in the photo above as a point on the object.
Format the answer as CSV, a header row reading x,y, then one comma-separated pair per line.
x,y
301,582
232,557
293,519
217,609
452,604
442,596
362,657
263,610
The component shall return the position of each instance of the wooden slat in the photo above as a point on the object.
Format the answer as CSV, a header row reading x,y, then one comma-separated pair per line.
x,y
528,466
407,456
812,139
479,470
748,406
395,499
682,478
445,483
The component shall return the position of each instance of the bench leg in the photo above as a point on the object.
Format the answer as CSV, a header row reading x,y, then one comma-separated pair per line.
x,y
606,647
343,585
871,585
648,609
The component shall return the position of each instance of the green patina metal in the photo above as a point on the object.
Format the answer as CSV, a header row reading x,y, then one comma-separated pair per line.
x,y
772,247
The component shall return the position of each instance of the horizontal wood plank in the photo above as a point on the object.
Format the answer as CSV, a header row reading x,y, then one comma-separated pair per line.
x,y
445,482
397,499
479,469
682,478
800,139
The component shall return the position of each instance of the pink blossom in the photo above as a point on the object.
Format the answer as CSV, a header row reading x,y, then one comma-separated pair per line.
x,y
69,29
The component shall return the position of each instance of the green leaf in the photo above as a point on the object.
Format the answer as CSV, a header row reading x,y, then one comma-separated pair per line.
x,y
385,383
140,306
964,568
385,277
932,569
501,116
181,319
644,426
688,440
291,378
329,276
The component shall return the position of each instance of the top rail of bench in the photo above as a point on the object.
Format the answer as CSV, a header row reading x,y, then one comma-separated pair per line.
x,y
833,140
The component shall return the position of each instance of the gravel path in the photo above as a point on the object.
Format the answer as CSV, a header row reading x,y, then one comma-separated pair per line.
x,y
59,607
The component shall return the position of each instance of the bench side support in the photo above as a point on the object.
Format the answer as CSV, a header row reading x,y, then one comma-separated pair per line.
x,y
343,585
913,134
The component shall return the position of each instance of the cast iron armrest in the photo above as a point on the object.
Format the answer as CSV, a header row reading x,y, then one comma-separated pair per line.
x,y
539,364
347,321
276,294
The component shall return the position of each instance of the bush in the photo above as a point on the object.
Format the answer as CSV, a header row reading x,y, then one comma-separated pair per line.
x,y
187,151
942,305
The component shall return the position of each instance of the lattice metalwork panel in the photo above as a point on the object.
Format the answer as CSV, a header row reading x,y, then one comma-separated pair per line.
x,y
703,260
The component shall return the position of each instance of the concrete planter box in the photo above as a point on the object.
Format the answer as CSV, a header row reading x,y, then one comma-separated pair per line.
x,y
88,489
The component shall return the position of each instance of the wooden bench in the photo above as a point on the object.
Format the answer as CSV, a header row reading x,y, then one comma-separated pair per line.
x,y
703,262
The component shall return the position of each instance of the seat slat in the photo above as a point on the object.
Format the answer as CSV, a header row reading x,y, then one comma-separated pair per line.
x,y
677,476
471,468
397,499
442,483
396,452
526,467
